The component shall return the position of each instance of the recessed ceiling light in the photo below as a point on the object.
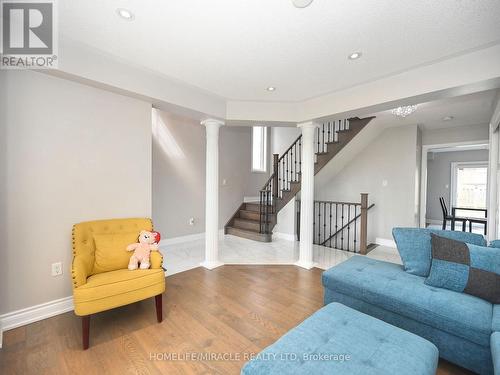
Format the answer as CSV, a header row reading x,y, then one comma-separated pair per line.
x,y
301,3
125,14
271,88
448,118
354,56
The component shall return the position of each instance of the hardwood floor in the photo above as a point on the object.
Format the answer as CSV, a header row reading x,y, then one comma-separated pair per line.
x,y
232,309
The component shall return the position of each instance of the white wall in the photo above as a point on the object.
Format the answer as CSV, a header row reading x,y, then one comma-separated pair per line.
x,y
390,157
439,177
71,153
179,176
282,138
455,134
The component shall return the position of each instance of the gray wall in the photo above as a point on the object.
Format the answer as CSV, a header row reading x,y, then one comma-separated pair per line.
x,y
69,153
179,183
439,177
391,157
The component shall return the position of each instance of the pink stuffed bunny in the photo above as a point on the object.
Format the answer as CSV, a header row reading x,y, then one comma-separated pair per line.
x,y
142,250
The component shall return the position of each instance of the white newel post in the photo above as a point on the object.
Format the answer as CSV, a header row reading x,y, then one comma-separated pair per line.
x,y
212,195
307,196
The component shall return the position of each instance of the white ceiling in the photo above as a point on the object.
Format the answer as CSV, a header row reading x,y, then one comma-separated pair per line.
x,y
467,110
237,48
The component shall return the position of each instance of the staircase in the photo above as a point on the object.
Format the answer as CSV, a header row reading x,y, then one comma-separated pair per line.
x,y
256,220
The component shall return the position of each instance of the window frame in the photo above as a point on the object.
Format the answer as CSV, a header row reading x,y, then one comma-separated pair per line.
x,y
262,168
460,164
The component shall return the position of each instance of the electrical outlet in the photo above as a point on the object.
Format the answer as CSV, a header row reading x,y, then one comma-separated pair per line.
x,y
57,269
191,221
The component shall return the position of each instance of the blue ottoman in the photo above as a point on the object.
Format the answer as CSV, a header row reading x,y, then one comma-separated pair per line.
x,y
339,340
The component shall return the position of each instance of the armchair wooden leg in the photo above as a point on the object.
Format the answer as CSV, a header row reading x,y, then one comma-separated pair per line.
x,y
85,331
159,308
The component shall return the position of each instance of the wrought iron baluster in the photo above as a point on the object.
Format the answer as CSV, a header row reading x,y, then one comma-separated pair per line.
x,y
324,222
342,232
314,220
323,138
348,226
330,234
295,163
300,155
317,132
319,222
355,227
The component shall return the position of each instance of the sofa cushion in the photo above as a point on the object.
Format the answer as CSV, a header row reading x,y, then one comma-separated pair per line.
x,y
111,250
465,268
117,288
339,340
414,246
387,285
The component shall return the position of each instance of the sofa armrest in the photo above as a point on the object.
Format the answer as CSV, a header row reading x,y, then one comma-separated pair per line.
x,y
156,259
79,271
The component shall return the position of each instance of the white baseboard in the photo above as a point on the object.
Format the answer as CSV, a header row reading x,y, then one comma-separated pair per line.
x,y
187,238
181,239
251,199
385,242
33,314
284,236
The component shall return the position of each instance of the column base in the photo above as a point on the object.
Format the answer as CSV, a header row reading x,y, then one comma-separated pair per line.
x,y
306,265
211,265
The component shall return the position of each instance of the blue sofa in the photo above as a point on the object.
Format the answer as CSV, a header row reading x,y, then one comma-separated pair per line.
x,y
463,327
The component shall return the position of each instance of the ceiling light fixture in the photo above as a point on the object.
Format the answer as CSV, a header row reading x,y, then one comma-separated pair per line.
x,y
354,56
301,3
448,118
271,88
125,14
404,111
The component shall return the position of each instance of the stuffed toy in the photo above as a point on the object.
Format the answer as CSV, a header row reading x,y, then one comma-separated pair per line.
x,y
148,241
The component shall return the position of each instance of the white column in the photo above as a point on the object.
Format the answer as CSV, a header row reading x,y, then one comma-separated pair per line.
x,y
212,195
307,196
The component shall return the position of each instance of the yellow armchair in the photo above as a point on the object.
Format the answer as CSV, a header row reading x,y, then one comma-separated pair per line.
x,y
95,290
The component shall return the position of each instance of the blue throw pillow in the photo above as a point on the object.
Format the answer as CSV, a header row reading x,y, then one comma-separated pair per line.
x,y
467,268
495,243
414,246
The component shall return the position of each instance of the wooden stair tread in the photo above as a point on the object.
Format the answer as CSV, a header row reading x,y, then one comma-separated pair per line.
x,y
252,212
246,220
249,234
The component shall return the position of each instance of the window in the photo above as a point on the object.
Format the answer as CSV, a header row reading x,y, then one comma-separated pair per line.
x,y
469,186
259,148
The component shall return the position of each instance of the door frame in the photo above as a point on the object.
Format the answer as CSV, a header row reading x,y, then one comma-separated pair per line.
x,y
423,172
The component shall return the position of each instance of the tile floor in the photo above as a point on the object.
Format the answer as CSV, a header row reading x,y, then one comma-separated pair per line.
x,y
235,250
